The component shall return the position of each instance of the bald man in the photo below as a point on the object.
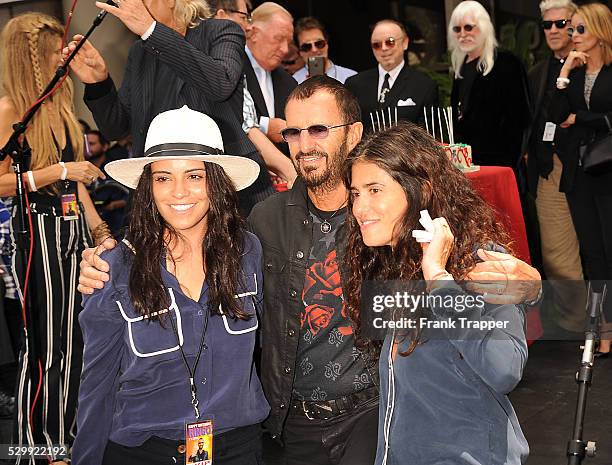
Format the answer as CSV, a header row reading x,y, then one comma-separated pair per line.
x,y
392,86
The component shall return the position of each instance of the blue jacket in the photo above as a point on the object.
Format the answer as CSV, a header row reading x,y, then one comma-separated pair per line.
x,y
134,383
450,404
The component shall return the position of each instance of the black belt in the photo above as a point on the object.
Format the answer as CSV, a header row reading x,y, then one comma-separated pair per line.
x,y
326,409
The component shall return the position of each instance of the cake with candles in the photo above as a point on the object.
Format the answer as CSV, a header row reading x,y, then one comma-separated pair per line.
x,y
439,123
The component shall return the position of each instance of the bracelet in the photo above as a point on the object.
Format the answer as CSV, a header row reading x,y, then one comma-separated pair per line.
x,y
31,182
100,233
64,174
562,83
534,302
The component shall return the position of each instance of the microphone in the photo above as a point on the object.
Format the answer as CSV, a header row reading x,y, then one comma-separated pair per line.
x,y
102,14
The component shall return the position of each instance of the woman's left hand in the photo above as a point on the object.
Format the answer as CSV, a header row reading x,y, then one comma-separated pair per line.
x,y
571,119
132,13
436,252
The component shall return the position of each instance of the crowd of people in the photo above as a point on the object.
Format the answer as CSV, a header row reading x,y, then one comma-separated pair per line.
x,y
204,296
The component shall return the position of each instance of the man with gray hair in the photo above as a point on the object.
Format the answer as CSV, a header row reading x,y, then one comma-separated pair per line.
x,y
268,83
560,251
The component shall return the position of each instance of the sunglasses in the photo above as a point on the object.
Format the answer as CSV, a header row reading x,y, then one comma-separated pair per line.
x,y
289,62
318,44
247,16
559,24
580,29
389,42
466,28
316,131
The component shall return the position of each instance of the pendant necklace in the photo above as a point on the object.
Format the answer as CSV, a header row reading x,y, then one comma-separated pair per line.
x,y
326,226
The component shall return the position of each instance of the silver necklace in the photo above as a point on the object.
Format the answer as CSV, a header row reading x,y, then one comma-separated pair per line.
x,y
326,226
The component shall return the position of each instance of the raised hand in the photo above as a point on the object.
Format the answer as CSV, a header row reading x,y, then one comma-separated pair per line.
x,y
132,13
88,64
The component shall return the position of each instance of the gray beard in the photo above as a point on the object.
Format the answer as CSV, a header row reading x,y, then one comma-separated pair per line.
x,y
331,177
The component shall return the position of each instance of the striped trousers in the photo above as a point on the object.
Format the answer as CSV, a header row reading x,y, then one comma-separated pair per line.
x,y
49,416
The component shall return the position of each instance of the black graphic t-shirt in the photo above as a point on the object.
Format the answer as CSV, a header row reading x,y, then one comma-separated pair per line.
x,y
328,364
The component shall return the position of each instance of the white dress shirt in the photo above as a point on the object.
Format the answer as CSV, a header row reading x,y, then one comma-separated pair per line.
x,y
339,73
267,89
392,76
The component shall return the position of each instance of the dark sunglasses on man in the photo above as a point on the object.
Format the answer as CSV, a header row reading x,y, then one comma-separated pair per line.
x,y
465,27
316,131
318,44
247,16
389,43
579,29
559,24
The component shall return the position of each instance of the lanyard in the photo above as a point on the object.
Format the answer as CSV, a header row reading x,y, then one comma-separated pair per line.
x,y
191,371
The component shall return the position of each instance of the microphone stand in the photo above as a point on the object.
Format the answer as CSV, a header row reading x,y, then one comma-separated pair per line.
x,y
19,151
577,448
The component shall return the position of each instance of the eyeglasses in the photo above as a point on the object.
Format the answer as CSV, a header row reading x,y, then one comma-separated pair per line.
x,y
389,42
247,16
559,24
466,28
318,44
316,131
580,29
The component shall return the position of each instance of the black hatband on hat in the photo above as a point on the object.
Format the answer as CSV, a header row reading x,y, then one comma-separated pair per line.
x,y
181,149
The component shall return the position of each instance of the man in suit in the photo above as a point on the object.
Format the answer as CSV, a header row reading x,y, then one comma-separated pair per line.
x,y
392,84
268,83
560,250
178,61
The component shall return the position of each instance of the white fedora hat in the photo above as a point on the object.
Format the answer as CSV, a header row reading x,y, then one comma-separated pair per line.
x,y
184,134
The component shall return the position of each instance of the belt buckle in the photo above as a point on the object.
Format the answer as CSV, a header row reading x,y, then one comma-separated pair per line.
x,y
306,411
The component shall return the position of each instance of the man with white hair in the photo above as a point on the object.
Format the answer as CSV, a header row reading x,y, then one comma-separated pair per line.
x,y
269,84
489,96
560,250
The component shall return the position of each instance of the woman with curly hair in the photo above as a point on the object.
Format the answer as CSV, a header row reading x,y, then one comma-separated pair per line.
x,y
169,341
62,217
443,391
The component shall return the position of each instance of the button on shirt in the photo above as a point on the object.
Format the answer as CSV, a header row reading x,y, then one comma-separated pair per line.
x,y
134,383
392,76
267,89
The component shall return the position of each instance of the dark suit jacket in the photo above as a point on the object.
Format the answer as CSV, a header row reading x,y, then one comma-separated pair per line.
x,y
496,114
282,83
410,84
538,87
590,123
207,65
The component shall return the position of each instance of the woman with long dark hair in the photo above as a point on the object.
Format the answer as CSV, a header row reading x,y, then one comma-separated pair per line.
x,y
443,394
169,340
63,222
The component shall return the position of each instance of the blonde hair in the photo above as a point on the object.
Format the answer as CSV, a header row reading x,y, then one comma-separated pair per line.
x,y
488,41
190,13
598,20
264,12
28,42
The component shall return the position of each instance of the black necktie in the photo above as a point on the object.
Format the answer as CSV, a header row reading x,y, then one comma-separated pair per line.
x,y
384,89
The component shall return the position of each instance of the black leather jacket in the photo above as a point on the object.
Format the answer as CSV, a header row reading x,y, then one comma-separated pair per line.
x,y
284,229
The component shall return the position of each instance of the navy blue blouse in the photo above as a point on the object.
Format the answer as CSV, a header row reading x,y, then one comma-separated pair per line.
x,y
446,402
134,383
